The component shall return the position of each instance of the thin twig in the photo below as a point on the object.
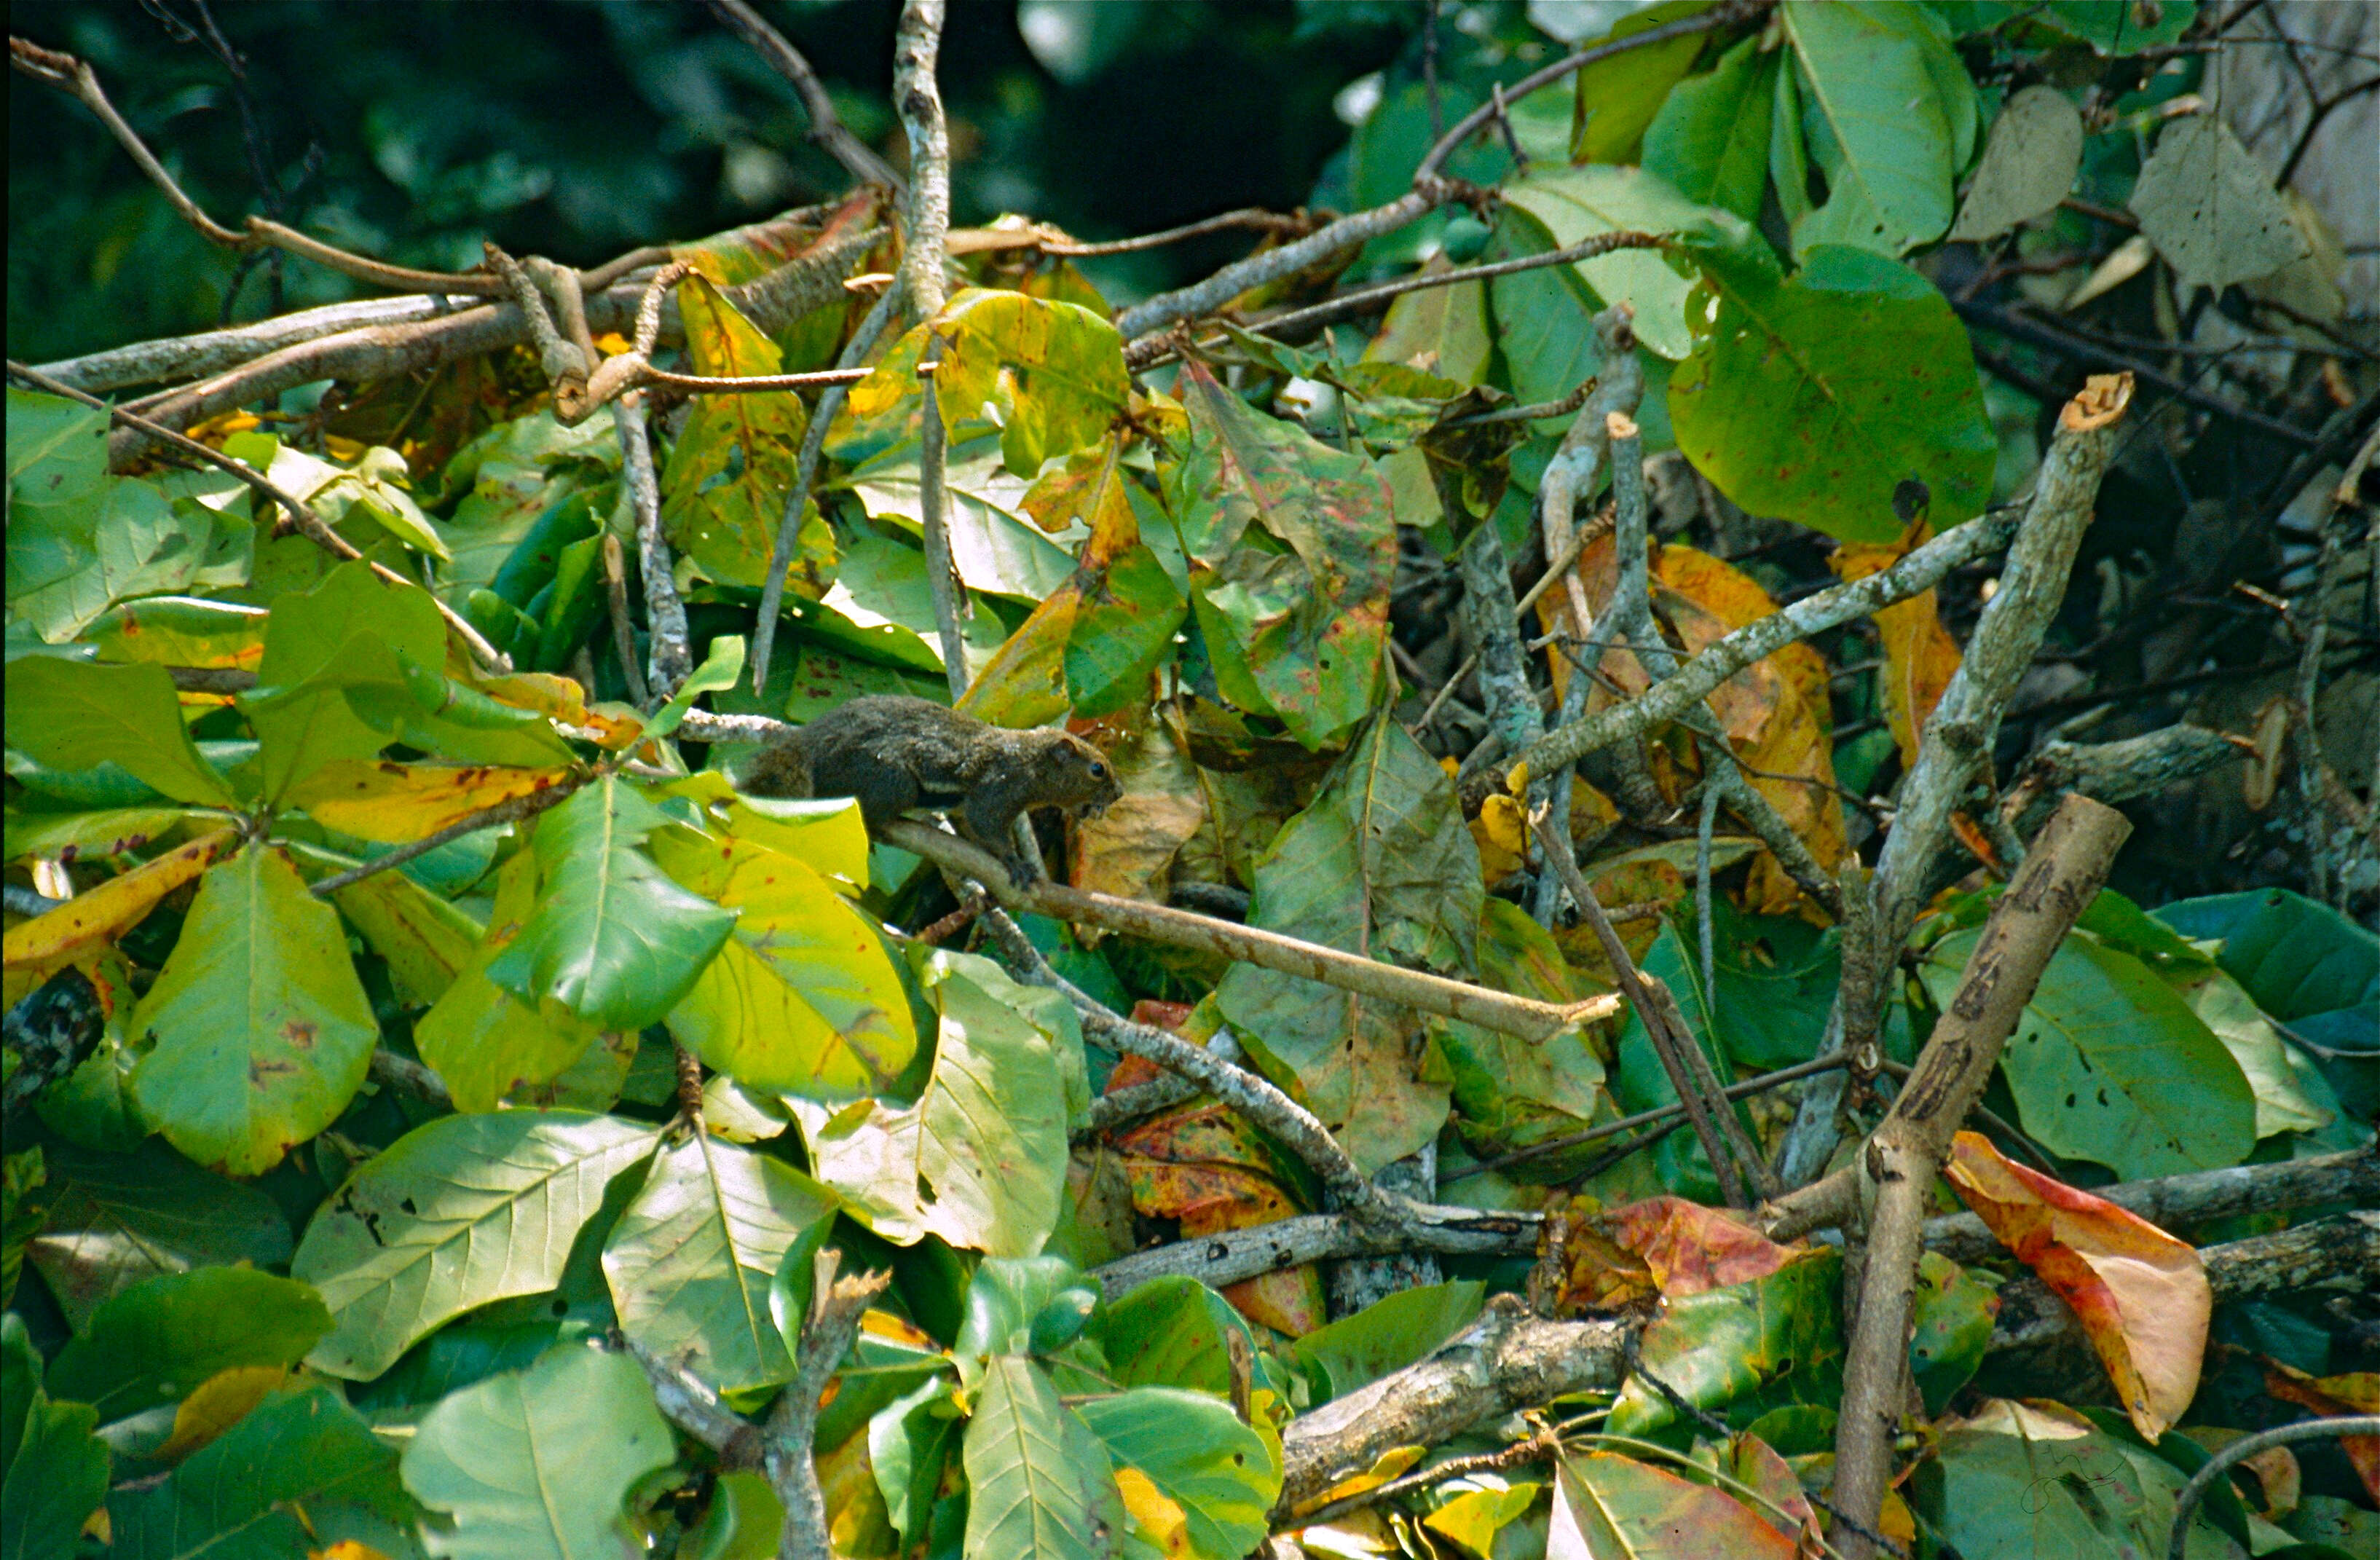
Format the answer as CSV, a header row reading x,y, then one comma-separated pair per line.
x,y
942,582
511,811
672,657
2185,1505
1246,216
299,518
827,132
1659,1113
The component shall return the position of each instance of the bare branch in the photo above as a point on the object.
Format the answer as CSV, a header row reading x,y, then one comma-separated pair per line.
x,y
826,132
836,1306
670,658
925,234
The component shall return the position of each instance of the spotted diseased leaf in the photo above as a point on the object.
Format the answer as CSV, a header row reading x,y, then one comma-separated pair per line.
x,y
80,930
260,1030
2141,1296
1814,398
2211,208
724,489
395,803
1292,545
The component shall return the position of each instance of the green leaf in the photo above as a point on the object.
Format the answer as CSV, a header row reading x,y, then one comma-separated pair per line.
x,y
981,1159
1877,125
612,939
1815,398
56,448
745,1521
720,668
459,1211
2223,1006
1002,1299
261,1031
73,714
1575,204
1199,1455
1387,1336
1618,97
1710,138
2080,1490
1612,1505
2296,958
2029,164
180,631
1169,1332
724,489
116,1219
426,941
1039,1481
154,1342
1296,545
1950,1328
994,546
2109,1065
53,1469
1122,631
536,1465
1778,1334
690,1261
1379,863
803,998
294,1476
1509,1093
908,1443
22,1177
481,1039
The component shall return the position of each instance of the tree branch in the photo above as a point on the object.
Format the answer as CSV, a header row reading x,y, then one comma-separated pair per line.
x,y
836,1306
827,131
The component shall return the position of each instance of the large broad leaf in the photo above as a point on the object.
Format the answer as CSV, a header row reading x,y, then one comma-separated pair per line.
x,y
2297,958
981,1159
2107,1064
2211,208
2029,164
1816,397
1049,375
261,1031
155,1342
1710,138
116,1219
1294,545
1575,204
74,715
1039,1481
691,1258
993,546
1509,1093
2141,1295
1877,125
803,998
459,1211
1379,864
353,632
613,938
1188,1466
1780,1335
2019,1480
1387,1336
482,1039
1608,1505
297,1476
536,1465
723,490
53,1470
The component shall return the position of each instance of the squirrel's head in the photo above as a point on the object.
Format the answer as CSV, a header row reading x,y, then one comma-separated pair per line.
x,y
1073,775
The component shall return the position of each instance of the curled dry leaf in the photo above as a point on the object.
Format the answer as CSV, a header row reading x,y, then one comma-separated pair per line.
x,y
2141,1296
1692,1249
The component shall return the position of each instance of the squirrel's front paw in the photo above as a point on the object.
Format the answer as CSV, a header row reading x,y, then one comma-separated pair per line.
x,y
1025,871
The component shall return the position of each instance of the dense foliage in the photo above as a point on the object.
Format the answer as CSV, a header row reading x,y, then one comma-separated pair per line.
x,y
455,1206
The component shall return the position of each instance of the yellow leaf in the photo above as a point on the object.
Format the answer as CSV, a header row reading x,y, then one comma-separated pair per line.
x,y
1160,1521
1919,653
87,923
1387,1465
396,802
1501,831
346,1549
220,1402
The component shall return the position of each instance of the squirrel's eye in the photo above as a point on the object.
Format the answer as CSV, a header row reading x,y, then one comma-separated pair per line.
x,y
1098,770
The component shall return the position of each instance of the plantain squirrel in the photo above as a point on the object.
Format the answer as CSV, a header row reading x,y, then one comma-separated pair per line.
x,y
893,753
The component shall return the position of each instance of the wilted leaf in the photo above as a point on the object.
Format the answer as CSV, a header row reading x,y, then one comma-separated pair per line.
x,y
1692,1249
1608,1505
461,1211
1919,653
2141,1295
261,1031
83,926
2029,164
536,1465
1776,1332
1379,864
981,1159
1130,848
2210,207
2355,1393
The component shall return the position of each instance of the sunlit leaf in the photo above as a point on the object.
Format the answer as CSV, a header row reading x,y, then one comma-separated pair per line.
x,y
2141,1295
396,803
482,1039
1195,1456
459,1211
75,715
85,924
1606,1504
1878,127
1039,1481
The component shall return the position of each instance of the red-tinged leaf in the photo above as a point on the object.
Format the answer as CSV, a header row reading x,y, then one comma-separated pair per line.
x,y
2357,1392
1692,1249
2141,1295
1606,1504
1758,1466
1290,1301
